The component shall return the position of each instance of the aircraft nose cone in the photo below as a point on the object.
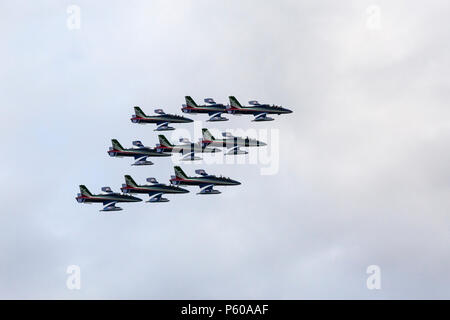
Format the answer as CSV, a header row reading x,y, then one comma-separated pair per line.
x,y
183,190
262,144
235,182
189,120
288,111
136,199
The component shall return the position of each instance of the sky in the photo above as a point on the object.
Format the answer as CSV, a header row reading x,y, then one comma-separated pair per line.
x,y
358,173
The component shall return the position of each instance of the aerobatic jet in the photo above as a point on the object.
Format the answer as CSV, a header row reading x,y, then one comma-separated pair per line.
x,y
108,198
205,181
187,148
260,111
213,109
160,118
230,142
140,153
155,190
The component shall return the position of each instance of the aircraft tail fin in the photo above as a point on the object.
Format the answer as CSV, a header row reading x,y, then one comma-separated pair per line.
x,y
163,141
139,112
234,102
179,173
207,135
84,191
116,145
130,181
190,102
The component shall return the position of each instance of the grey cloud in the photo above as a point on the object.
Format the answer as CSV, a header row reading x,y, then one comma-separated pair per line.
x,y
363,159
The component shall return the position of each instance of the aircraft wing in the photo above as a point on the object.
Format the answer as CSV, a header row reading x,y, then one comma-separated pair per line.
x,y
110,206
235,150
216,116
262,117
190,157
206,186
157,198
163,126
208,189
153,193
141,161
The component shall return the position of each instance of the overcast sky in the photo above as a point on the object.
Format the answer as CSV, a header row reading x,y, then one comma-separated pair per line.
x,y
363,162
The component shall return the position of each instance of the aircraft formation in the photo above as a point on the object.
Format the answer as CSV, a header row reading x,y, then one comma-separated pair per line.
x,y
189,150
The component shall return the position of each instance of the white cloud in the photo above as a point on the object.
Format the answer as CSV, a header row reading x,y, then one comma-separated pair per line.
x,y
363,162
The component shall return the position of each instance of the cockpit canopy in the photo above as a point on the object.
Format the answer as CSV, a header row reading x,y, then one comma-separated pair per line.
x,y
138,143
152,180
201,172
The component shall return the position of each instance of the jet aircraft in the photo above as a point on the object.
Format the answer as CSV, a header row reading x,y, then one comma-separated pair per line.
x,y
140,153
161,119
155,190
187,148
205,181
260,111
230,142
108,198
213,109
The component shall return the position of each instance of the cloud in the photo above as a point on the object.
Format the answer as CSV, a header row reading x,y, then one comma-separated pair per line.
x,y
362,174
